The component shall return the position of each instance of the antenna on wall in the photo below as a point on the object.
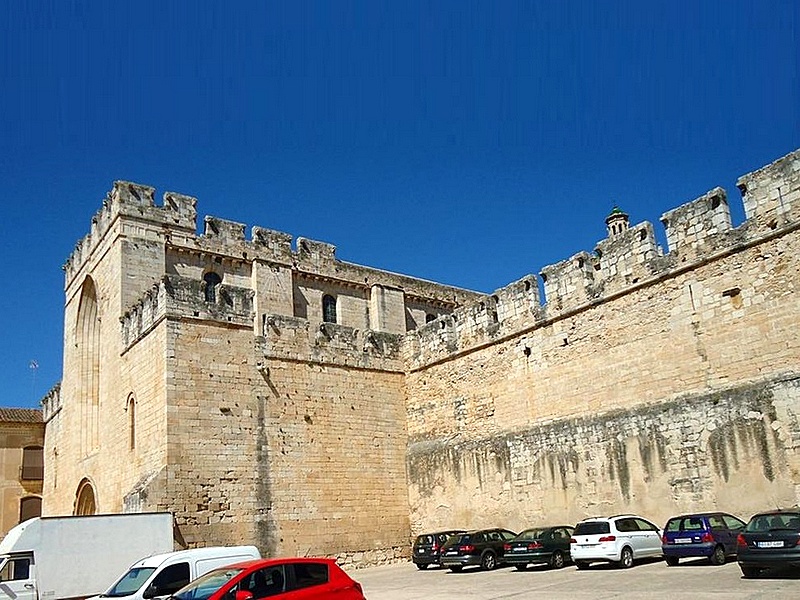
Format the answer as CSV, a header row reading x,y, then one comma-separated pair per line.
x,y
34,367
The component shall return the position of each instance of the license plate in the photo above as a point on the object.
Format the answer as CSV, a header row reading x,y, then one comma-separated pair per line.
x,y
683,540
769,544
452,553
421,551
519,549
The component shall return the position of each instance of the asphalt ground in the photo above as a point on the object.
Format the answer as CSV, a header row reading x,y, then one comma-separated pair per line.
x,y
694,579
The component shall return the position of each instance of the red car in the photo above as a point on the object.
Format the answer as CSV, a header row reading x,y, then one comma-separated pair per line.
x,y
280,578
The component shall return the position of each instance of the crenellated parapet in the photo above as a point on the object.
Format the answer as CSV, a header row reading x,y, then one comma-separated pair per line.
x,y
627,260
51,403
698,227
135,203
571,282
296,339
183,298
511,308
771,195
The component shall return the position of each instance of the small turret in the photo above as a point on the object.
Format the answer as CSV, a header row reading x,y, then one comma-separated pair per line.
x,y
617,222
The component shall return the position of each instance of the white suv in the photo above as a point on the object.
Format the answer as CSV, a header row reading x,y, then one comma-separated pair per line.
x,y
620,539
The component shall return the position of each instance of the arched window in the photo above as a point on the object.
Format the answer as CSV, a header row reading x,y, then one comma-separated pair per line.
x,y
32,463
211,282
88,343
329,309
430,317
85,503
131,408
30,507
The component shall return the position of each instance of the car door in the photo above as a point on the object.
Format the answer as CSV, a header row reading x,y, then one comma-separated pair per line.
x,y
311,581
649,537
17,579
561,538
628,534
734,527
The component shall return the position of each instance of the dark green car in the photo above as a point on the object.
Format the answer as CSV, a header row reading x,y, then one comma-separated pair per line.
x,y
539,545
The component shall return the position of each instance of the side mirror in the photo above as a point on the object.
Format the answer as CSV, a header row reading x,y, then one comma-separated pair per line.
x,y
244,595
151,591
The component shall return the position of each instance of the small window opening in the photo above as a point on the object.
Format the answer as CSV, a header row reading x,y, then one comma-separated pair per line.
x,y
328,309
131,422
211,282
29,508
430,317
33,463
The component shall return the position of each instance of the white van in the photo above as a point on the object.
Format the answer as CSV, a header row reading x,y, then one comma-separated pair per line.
x,y
161,575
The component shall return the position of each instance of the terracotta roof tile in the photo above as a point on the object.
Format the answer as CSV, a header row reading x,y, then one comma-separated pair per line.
x,y
20,415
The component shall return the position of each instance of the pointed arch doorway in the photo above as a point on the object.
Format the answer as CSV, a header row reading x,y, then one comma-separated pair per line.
x,y
85,503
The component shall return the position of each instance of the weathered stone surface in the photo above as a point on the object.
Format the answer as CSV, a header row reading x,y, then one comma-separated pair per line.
x,y
200,377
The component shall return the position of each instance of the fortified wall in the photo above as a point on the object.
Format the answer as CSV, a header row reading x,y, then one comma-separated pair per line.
x,y
253,386
643,381
267,392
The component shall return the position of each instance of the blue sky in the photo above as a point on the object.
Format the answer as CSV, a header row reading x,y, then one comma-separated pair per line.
x,y
464,142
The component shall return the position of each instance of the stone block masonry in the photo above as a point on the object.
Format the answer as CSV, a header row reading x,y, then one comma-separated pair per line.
x,y
646,382
269,393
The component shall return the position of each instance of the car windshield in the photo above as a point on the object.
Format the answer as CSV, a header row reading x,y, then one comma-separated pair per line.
x,y
592,528
531,534
773,522
130,582
202,587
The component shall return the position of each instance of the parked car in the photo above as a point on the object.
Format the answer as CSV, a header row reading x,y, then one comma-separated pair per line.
x,y
770,539
427,547
712,535
620,539
539,545
276,578
483,547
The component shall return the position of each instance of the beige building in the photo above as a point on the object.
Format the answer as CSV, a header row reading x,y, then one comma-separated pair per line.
x,y
21,461
267,392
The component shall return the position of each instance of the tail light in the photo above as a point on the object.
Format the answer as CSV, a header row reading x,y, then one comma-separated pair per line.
x,y
466,548
573,541
435,547
506,547
707,537
534,546
608,538
664,539
740,541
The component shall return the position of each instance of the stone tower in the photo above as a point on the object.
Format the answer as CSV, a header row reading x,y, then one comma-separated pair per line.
x,y
253,388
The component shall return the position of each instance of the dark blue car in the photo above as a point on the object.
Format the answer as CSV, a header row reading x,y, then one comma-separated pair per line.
x,y
711,535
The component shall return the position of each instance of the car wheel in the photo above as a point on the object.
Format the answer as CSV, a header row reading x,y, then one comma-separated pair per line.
x,y
488,561
556,560
421,566
625,558
456,568
672,561
521,567
750,572
581,565
718,556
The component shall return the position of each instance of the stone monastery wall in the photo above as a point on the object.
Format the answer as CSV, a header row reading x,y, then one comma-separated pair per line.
x,y
202,377
268,393
646,382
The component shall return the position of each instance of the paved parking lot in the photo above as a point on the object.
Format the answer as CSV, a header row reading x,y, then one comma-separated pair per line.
x,y
692,579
